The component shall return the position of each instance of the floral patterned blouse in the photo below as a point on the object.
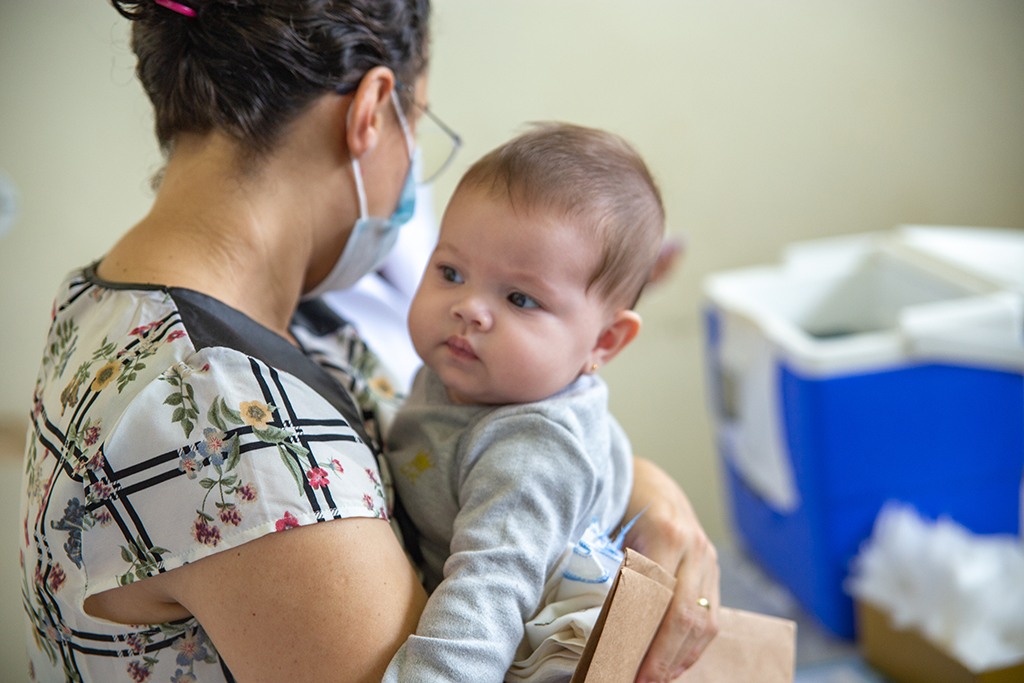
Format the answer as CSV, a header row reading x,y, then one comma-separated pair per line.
x,y
166,427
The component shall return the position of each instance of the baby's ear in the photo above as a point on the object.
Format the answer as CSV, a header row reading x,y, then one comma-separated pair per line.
x,y
616,335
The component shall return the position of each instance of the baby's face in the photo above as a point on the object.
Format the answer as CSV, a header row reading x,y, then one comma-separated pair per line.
x,y
502,314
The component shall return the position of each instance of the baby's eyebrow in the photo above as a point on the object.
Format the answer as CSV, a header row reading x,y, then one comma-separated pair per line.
x,y
445,247
537,284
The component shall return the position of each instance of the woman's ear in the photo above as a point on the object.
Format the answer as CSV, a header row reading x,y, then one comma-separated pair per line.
x,y
616,335
365,118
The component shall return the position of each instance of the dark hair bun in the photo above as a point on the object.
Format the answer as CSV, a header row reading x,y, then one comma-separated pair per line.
x,y
248,67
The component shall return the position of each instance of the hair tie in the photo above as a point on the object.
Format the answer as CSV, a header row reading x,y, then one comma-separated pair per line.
x,y
176,7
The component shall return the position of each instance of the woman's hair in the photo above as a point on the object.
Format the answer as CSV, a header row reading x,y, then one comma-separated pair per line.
x,y
594,179
250,67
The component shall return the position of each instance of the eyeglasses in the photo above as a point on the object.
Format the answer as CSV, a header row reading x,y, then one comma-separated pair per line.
x,y
437,142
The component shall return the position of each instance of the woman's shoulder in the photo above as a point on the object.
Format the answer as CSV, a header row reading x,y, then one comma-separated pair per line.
x,y
138,414
136,334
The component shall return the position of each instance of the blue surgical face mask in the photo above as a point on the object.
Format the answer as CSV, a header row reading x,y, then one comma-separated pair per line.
x,y
372,237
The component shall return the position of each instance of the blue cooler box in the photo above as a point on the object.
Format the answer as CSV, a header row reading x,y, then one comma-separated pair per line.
x,y
856,373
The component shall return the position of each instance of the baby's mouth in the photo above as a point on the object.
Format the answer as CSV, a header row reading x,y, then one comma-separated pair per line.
x,y
460,347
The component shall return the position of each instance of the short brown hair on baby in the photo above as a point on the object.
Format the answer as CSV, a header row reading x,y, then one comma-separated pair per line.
x,y
593,178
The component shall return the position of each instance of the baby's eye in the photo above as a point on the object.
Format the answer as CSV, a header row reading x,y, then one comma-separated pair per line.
x,y
450,274
520,300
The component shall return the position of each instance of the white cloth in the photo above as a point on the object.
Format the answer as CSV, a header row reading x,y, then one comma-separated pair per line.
x,y
572,601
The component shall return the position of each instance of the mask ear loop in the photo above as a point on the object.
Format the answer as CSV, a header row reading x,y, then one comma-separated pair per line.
x,y
410,144
357,171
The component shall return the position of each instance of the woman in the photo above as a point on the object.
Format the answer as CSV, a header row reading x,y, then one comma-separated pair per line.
x,y
188,406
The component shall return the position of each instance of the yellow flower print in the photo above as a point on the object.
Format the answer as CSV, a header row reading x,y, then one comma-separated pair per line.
x,y
256,414
382,387
417,466
105,375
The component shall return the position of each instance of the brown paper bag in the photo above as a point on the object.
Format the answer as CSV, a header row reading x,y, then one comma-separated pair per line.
x,y
748,647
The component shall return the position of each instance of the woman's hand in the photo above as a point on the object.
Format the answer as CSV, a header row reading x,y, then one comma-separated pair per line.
x,y
668,533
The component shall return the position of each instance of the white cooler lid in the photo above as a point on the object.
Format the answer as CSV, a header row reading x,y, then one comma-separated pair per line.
x,y
996,254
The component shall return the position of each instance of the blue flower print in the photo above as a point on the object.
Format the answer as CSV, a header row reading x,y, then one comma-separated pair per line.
x,y
190,464
191,647
72,522
182,676
213,446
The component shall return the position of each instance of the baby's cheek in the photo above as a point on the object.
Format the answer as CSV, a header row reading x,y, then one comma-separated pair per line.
x,y
542,369
419,325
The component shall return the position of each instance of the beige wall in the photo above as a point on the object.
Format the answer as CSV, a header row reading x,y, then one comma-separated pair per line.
x,y
765,122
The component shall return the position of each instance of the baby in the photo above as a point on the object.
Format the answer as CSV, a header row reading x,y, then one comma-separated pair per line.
x,y
505,452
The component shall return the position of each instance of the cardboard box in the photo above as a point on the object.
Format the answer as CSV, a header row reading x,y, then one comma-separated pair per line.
x,y
907,657
748,648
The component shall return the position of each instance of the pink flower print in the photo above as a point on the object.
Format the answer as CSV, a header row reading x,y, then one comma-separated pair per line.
x,y
103,518
317,477
336,466
382,512
206,533
58,635
143,330
372,475
287,522
247,493
177,334
229,515
40,576
96,462
102,490
190,464
367,501
139,672
92,434
135,644
80,466
57,578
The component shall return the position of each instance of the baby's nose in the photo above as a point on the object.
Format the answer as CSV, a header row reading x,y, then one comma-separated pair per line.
x,y
472,310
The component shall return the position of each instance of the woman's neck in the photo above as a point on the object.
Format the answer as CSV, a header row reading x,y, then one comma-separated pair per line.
x,y
245,240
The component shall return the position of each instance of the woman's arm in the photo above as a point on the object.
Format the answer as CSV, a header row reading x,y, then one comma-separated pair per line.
x,y
327,601
669,533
